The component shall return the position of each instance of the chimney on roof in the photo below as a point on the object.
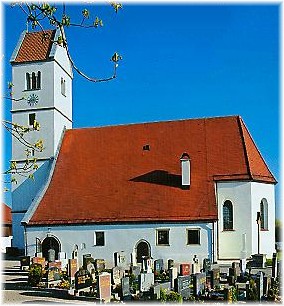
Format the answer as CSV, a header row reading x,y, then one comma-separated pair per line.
x,y
185,171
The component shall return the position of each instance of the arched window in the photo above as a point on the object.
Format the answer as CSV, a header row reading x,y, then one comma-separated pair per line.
x,y
38,80
264,214
227,215
28,80
33,81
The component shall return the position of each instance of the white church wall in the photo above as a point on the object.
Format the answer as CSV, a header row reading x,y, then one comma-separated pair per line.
x,y
231,241
267,237
125,238
246,198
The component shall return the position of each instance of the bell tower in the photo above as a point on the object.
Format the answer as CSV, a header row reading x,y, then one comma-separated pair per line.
x,y
42,92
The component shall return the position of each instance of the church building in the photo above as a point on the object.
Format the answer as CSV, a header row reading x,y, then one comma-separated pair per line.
x,y
169,190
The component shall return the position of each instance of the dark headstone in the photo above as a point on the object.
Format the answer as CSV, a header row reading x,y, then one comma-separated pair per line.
x,y
83,279
184,269
158,265
231,280
182,286
206,265
214,276
170,263
100,265
86,259
274,265
199,283
258,261
25,261
259,285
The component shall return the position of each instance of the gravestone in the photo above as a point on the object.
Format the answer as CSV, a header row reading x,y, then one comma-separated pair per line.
x,y
199,283
231,280
116,275
54,264
173,275
120,259
135,270
182,286
91,268
243,265
63,259
125,289
206,265
86,259
100,265
51,255
170,263
53,276
155,290
25,262
184,269
258,260
133,259
214,276
72,268
146,280
83,279
158,265
39,260
274,265
104,287
237,269
259,285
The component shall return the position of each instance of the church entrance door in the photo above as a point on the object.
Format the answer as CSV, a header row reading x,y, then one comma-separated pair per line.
x,y
50,248
142,249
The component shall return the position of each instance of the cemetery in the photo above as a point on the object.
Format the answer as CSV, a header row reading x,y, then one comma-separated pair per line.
x,y
154,279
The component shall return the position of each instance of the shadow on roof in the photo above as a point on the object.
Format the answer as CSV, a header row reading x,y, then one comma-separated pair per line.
x,y
159,177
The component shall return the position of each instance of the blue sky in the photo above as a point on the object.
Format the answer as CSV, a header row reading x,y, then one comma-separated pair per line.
x,y
179,61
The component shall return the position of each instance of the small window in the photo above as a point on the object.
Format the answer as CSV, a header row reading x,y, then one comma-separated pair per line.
x,y
99,238
31,119
228,216
163,237
193,236
63,87
264,214
38,80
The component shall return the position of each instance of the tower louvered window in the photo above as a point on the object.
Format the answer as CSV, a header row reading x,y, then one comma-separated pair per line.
x,y
33,80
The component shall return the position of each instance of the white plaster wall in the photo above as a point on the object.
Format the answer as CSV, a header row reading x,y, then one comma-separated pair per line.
x,y
230,242
61,102
45,94
124,238
267,238
5,243
245,197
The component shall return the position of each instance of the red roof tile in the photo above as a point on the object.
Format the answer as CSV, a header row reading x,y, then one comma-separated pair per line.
x,y
104,175
6,214
34,47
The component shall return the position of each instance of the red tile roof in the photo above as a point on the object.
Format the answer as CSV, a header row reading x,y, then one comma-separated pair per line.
x,y
6,214
34,47
104,175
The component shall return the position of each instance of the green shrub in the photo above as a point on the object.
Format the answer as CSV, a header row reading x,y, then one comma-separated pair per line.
x,y
170,297
268,262
35,274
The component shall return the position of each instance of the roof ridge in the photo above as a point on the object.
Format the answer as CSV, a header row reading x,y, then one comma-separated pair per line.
x,y
153,122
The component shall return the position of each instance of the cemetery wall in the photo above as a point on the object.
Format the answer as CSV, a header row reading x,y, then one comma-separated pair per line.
x,y
125,238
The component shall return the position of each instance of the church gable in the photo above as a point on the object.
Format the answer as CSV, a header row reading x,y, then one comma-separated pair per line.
x,y
132,173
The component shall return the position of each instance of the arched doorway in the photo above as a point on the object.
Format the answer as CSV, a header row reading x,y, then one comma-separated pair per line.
x,y
142,249
50,243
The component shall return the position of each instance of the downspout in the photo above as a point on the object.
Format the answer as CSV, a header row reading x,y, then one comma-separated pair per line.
x,y
213,244
25,238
